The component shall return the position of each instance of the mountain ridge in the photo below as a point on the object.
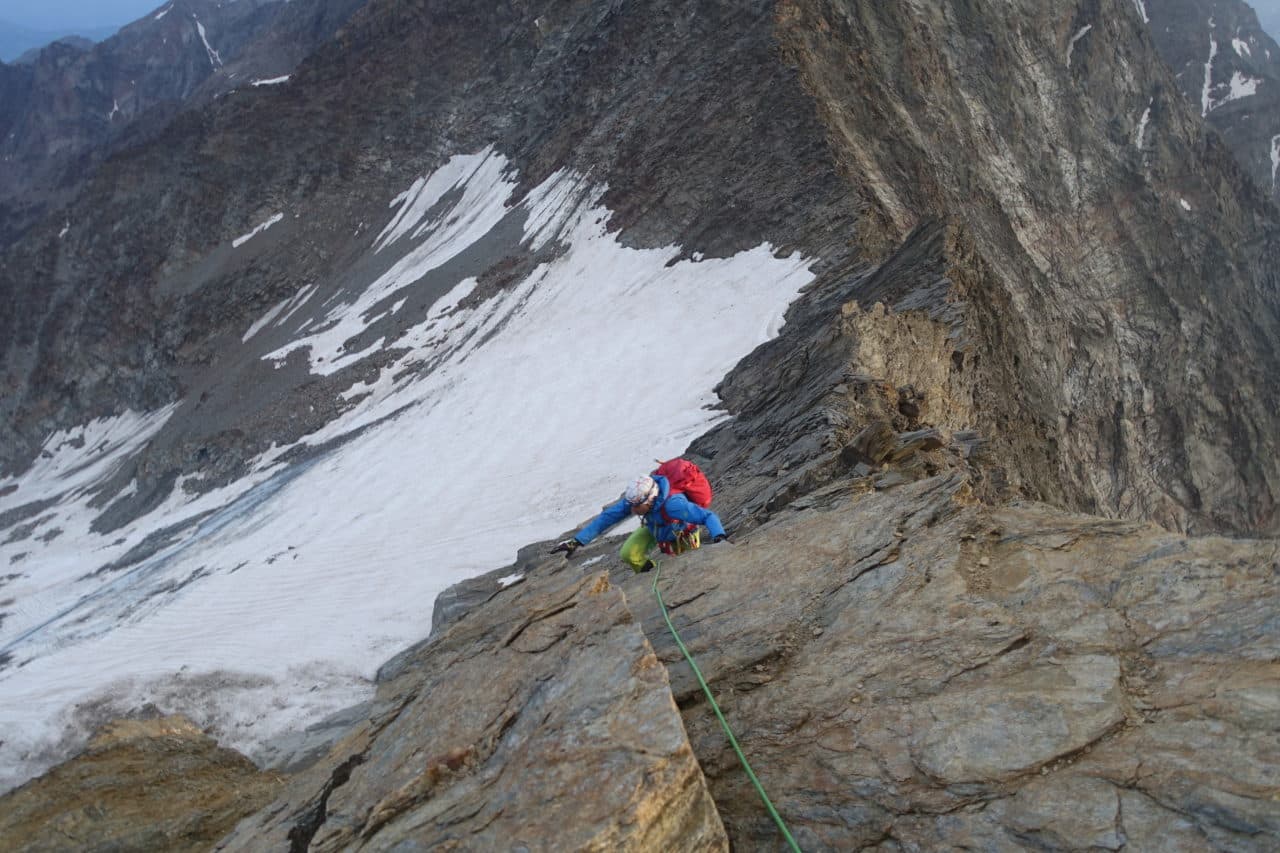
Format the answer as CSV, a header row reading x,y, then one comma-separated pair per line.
x,y
1031,349
70,106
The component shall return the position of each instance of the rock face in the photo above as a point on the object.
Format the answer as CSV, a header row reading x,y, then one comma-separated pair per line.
x,y
1042,288
158,784
933,673
544,721
1229,70
1149,393
1083,261
68,106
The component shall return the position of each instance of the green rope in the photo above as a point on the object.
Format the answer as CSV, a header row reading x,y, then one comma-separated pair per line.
x,y
733,741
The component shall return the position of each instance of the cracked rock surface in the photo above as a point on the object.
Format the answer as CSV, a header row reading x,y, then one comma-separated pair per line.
x,y
913,670
543,720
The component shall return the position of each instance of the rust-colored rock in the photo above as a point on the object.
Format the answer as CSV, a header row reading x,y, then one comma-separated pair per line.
x,y
540,719
158,784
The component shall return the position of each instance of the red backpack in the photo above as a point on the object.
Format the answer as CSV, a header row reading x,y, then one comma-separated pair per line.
x,y
687,479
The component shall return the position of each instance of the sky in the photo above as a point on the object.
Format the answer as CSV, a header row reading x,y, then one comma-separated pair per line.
x,y
71,15
1269,16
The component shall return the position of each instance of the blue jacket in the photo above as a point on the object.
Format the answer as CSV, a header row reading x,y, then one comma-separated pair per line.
x,y
679,508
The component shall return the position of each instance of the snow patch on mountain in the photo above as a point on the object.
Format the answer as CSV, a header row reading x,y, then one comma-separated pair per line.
x,y
1206,102
244,238
73,461
478,175
1071,46
287,307
1141,134
214,59
1241,87
505,417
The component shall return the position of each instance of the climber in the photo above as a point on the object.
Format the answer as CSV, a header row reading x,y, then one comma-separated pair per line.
x,y
669,520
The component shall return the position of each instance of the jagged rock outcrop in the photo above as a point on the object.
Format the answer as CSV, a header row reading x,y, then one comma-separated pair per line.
x,y
544,722
1084,261
156,784
1228,68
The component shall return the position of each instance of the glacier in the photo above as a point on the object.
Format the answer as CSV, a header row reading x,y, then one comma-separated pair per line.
x,y
505,418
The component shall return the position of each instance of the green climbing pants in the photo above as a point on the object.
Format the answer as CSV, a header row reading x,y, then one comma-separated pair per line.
x,y
636,549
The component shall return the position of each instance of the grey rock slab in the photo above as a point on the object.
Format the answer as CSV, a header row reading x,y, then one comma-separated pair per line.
x,y
542,720
297,751
1011,725
916,666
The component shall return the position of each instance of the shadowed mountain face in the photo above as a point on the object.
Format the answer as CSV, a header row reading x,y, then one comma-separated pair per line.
x,y
1096,220
1229,69
1110,260
70,104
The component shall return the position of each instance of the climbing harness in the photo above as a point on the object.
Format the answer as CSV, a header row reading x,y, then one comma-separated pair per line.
x,y
733,741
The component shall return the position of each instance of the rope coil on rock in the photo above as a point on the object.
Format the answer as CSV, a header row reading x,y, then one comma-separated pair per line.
x,y
724,724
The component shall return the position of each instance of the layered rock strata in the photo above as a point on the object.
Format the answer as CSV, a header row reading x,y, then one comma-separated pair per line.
x,y
544,721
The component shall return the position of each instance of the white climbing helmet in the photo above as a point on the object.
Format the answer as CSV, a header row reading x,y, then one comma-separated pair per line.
x,y
641,490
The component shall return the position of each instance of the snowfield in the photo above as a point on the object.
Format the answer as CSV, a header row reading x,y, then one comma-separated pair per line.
x,y
274,599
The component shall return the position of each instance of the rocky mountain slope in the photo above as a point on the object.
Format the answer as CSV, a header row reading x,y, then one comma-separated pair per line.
x,y
72,103
19,43
171,788
1230,69
1071,219
907,665
1034,350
